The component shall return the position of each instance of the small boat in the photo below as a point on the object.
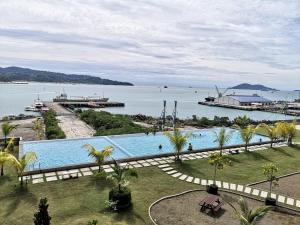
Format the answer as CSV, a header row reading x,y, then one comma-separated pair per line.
x,y
19,82
38,104
31,108
165,86
210,99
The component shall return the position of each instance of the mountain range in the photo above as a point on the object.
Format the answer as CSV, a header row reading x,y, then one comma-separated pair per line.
x,y
9,74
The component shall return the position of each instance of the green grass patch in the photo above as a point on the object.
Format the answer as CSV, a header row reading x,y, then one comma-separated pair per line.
x,y
246,167
80,200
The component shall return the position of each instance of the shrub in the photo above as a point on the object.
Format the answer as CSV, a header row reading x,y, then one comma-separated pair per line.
x,y
53,131
109,124
121,198
42,217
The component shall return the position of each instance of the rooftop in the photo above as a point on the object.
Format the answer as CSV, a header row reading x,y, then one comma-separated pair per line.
x,y
250,98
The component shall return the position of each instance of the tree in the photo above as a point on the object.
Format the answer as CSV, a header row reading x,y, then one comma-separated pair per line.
x,y
270,171
242,121
291,131
222,138
247,134
271,131
287,131
7,128
178,140
120,175
23,162
42,217
248,216
6,156
219,162
99,156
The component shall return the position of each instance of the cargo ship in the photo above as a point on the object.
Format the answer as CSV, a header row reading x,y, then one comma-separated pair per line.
x,y
63,97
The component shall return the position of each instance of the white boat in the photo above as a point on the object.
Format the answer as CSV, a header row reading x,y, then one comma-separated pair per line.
x,y
32,109
38,103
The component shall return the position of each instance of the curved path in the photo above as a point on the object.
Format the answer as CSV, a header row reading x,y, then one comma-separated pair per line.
x,y
282,199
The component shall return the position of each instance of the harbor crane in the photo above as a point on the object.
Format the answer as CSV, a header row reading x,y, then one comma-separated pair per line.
x,y
220,94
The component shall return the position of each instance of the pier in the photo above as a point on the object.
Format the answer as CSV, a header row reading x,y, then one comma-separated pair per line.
x,y
72,126
252,108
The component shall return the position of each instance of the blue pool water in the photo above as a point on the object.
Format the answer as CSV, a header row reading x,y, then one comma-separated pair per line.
x,y
57,153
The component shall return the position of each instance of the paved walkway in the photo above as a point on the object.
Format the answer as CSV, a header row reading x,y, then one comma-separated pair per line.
x,y
69,123
74,127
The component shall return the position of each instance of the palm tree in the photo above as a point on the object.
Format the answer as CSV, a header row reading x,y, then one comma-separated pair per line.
x,y
6,156
282,131
178,140
7,128
222,138
99,156
23,162
287,131
219,162
242,121
120,175
248,216
247,134
271,131
270,171
291,132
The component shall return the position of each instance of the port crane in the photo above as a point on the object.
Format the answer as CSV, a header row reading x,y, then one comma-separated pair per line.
x,y
220,94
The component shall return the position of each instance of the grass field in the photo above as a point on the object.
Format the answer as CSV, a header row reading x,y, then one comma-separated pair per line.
x,y
74,202
246,168
77,201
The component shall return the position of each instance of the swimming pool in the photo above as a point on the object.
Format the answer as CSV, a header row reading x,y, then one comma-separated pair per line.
x,y
66,152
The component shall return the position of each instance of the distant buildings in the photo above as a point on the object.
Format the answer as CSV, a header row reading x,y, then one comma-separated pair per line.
x,y
243,100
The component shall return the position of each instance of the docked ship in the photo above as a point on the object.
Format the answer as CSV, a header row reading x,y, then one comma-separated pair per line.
x,y
37,106
63,97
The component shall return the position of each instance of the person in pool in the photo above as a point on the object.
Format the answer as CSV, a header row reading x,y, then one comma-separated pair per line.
x,y
160,147
190,148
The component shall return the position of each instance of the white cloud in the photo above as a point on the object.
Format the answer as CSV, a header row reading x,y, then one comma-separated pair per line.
x,y
155,41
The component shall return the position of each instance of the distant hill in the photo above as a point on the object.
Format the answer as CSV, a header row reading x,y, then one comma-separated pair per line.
x,y
10,74
253,87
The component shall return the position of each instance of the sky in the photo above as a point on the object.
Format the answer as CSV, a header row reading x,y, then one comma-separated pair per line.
x,y
157,42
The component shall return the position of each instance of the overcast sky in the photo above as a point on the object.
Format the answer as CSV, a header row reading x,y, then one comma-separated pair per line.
x,y
196,43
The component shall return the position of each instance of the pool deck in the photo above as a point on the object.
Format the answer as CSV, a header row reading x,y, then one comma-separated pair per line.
x,y
142,161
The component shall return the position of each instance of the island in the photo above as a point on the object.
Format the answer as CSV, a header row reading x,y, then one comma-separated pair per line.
x,y
15,74
258,87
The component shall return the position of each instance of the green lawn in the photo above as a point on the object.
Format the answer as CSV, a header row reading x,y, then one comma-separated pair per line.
x,y
77,201
246,168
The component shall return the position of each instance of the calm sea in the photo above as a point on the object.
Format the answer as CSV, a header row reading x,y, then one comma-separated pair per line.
x,y
138,99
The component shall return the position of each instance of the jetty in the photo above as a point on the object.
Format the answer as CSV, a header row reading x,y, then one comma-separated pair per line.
x,y
72,126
